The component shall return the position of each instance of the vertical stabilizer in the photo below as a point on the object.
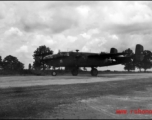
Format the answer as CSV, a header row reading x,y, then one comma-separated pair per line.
x,y
139,53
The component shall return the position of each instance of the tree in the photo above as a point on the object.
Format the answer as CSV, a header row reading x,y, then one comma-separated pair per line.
x,y
146,63
128,52
1,63
139,65
39,55
12,63
129,65
30,67
37,64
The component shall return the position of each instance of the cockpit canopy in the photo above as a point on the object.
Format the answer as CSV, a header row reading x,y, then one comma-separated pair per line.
x,y
63,53
58,55
48,57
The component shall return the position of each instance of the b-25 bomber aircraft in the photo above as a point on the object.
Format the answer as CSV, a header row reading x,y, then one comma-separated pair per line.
x,y
78,59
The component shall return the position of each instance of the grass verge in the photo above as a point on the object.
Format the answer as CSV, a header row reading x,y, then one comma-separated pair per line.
x,y
40,101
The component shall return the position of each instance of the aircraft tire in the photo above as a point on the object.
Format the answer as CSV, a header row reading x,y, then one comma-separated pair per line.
x,y
94,72
74,72
54,73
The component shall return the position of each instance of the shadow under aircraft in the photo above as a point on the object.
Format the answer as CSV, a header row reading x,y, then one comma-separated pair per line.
x,y
75,60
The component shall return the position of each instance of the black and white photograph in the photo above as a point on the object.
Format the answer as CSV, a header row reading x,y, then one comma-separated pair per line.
x,y
75,59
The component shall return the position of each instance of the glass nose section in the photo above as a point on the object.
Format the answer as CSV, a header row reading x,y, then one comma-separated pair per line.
x,y
48,57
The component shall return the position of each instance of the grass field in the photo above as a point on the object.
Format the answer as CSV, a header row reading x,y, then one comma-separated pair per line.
x,y
41,101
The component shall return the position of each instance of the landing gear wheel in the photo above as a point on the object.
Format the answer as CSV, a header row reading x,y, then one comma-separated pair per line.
x,y
74,72
94,72
54,73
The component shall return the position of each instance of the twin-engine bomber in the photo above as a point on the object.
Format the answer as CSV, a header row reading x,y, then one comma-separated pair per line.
x,y
78,59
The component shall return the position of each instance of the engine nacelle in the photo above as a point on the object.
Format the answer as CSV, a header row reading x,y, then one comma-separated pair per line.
x,y
113,51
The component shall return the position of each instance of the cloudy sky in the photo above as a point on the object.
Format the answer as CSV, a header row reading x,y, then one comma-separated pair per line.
x,y
85,25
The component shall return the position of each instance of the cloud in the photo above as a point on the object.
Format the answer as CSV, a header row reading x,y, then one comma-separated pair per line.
x,y
85,49
83,10
23,49
85,35
71,38
13,31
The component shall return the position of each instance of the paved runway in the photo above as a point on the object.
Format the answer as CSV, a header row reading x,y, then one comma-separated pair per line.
x,y
18,81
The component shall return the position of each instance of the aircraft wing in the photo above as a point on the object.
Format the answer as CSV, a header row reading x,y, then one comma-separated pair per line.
x,y
106,55
124,59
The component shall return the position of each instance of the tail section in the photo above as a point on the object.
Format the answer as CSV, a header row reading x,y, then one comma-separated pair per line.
x,y
137,57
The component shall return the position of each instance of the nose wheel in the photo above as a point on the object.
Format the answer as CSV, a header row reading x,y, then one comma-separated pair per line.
x,y
94,72
54,73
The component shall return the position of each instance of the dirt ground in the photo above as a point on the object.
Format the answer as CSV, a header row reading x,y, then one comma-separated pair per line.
x,y
80,97
105,107
21,81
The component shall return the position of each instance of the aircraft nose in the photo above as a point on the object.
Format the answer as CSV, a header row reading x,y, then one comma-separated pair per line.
x,y
48,57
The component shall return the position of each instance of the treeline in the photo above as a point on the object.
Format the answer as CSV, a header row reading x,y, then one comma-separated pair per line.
x,y
11,63
145,64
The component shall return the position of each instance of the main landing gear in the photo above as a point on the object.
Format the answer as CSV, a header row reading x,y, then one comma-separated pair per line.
x,y
75,71
94,72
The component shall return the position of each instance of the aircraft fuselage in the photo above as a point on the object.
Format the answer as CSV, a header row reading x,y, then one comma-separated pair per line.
x,y
80,61
77,59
